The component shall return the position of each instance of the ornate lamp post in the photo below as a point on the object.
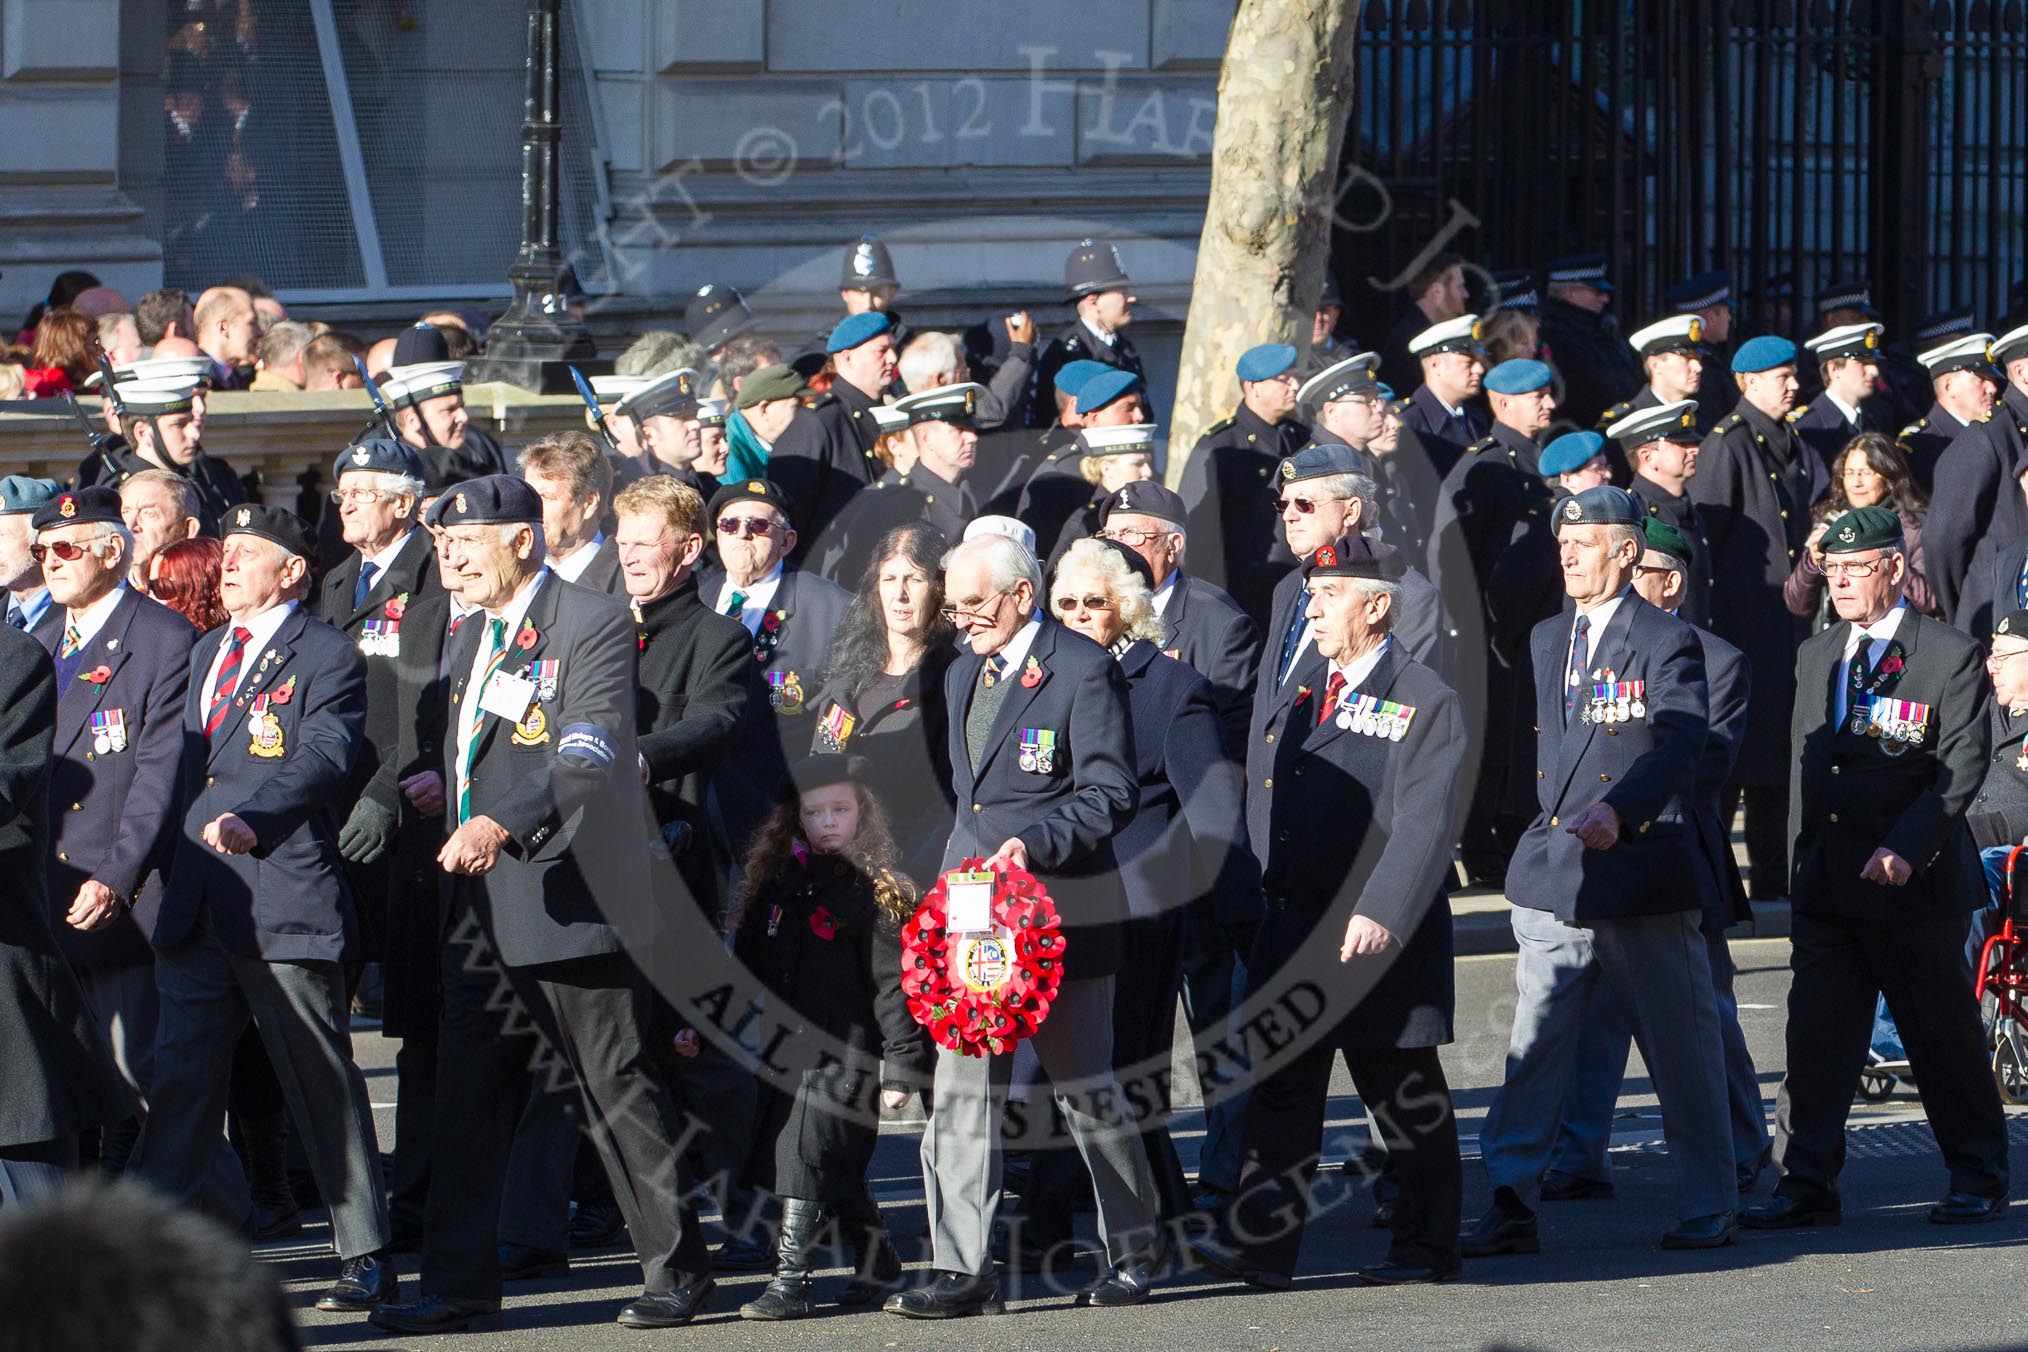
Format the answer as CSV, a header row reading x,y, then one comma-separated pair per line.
x,y
532,342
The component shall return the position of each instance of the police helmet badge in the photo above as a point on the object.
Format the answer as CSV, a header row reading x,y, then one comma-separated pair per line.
x,y
862,258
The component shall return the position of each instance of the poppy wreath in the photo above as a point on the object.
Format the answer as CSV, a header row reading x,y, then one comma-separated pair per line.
x,y
984,1017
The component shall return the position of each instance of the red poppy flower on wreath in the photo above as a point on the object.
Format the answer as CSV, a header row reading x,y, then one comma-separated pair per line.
x,y
98,675
980,993
527,637
823,924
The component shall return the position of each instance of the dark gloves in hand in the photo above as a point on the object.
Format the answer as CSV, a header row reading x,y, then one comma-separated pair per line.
x,y
368,833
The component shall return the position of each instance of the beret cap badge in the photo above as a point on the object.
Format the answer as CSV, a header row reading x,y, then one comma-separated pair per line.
x,y
361,456
1848,535
1288,469
1327,557
245,516
68,507
461,503
1571,511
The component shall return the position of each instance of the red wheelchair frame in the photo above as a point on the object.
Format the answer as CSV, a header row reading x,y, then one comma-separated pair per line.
x,y
2003,989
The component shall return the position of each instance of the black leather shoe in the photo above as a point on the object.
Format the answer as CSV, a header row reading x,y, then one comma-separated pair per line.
x,y
1703,1232
667,1309
1507,1227
598,1225
1750,1177
1215,1259
521,1263
1968,1208
435,1314
952,1295
744,1253
1405,1274
1558,1186
1127,1284
363,1284
1781,1212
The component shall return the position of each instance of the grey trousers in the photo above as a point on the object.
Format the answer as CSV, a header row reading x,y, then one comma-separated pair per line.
x,y
123,1004
1602,1063
299,1009
1659,970
961,1148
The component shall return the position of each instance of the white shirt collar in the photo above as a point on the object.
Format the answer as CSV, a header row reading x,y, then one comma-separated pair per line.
x,y
1361,667
758,596
517,608
1165,591
384,560
1016,651
1881,630
571,566
1850,413
93,617
261,628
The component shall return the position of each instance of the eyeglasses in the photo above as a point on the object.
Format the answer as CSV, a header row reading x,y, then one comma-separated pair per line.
x,y
1066,604
752,527
951,614
63,549
1653,568
1862,568
341,496
1132,535
1996,656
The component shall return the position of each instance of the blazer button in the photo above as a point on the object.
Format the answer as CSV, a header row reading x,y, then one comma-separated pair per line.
x,y
1834,770
1267,783
91,755
1281,837
1554,822
1271,737
1605,779
1645,826
1299,772
976,809
77,807
62,858
209,780
1539,775
1834,819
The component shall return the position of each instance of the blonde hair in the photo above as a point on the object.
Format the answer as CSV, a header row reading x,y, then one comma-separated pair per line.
x,y
660,495
1132,596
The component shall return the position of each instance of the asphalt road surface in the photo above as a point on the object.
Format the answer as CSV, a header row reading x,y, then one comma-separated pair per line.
x,y
1886,1279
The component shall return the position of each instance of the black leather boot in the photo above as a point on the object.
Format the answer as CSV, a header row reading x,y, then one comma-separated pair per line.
x,y
788,1295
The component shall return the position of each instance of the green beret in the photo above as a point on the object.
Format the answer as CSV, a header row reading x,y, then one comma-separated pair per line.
x,y
1863,528
1664,538
779,381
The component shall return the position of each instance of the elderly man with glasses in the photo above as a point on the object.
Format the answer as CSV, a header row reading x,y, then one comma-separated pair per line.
x,y
1892,740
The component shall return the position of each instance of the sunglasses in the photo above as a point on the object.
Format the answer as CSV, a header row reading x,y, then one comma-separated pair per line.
x,y
63,549
752,527
1066,604
1303,505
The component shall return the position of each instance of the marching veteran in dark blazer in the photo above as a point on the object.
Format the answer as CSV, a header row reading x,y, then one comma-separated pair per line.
x,y
1355,905
1891,742
1042,753
257,918
549,865
1999,815
122,666
58,1074
1610,882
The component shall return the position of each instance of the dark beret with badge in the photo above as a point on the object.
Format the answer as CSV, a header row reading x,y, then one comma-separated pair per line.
x,y
1145,497
277,525
1355,556
97,505
1664,538
1318,459
378,455
1136,565
1601,506
493,500
749,490
1861,529
857,329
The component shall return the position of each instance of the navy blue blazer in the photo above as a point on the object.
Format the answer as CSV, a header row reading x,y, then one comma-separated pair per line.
x,y
410,578
1645,767
287,901
1348,823
1209,631
1976,511
1730,686
1188,838
113,812
1068,814
806,612
2008,564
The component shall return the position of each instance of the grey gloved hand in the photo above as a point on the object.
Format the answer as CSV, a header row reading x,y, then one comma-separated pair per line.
x,y
368,833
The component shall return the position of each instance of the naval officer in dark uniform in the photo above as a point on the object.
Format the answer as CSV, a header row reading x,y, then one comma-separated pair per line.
x,y
1444,410
1848,367
1661,444
943,428
1964,384
1892,739
160,431
1978,508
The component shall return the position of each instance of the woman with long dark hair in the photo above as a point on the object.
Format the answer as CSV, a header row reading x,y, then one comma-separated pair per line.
x,y
883,696
1870,472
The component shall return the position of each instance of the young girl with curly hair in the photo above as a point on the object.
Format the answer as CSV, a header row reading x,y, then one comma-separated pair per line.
x,y
817,919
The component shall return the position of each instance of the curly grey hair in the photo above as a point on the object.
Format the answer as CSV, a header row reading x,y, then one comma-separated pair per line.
x,y
1131,595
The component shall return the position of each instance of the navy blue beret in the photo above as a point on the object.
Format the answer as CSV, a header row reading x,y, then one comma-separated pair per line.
x,y
97,504
276,524
1601,506
379,455
495,499
1321,458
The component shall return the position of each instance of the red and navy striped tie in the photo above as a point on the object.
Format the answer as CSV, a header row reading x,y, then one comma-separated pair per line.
x,y
228,680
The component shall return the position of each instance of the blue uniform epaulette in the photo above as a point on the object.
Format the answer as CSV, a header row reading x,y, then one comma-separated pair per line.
x,y
1483,444
1727,423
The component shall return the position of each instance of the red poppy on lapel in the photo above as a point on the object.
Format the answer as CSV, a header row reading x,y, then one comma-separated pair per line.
x,y
527,637
1031,675
772,620
98,675
285,694
823,924
397,606
902,703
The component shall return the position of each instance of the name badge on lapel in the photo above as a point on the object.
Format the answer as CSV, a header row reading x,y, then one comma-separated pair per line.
x,y
264,729
508,696
1038,750
1371,716
109,731
1615,702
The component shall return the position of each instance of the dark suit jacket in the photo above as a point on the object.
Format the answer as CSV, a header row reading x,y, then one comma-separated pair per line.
x,y
602,574
287,901
822,459
907,745
59,1078
1229,485
1726,677
1188,837
113,815
1209,631
806,611
1644,767
1999,815
416,884
2006,581
1352,824
1849,797
1443,439
574,880
1069,815
1418,626
411,576
1977,510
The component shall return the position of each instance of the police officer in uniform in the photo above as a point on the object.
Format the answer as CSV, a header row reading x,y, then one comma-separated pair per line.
x,y
1891,735
1978,508
1586,342
426,391
1662,445
1848,365
1754,486
1097,284
1444,410
715,316
868,283
942,424
1228,482
822,461
1383,735
1963,383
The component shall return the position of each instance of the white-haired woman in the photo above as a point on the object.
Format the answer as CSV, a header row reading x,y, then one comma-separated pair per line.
x,y
1184,853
